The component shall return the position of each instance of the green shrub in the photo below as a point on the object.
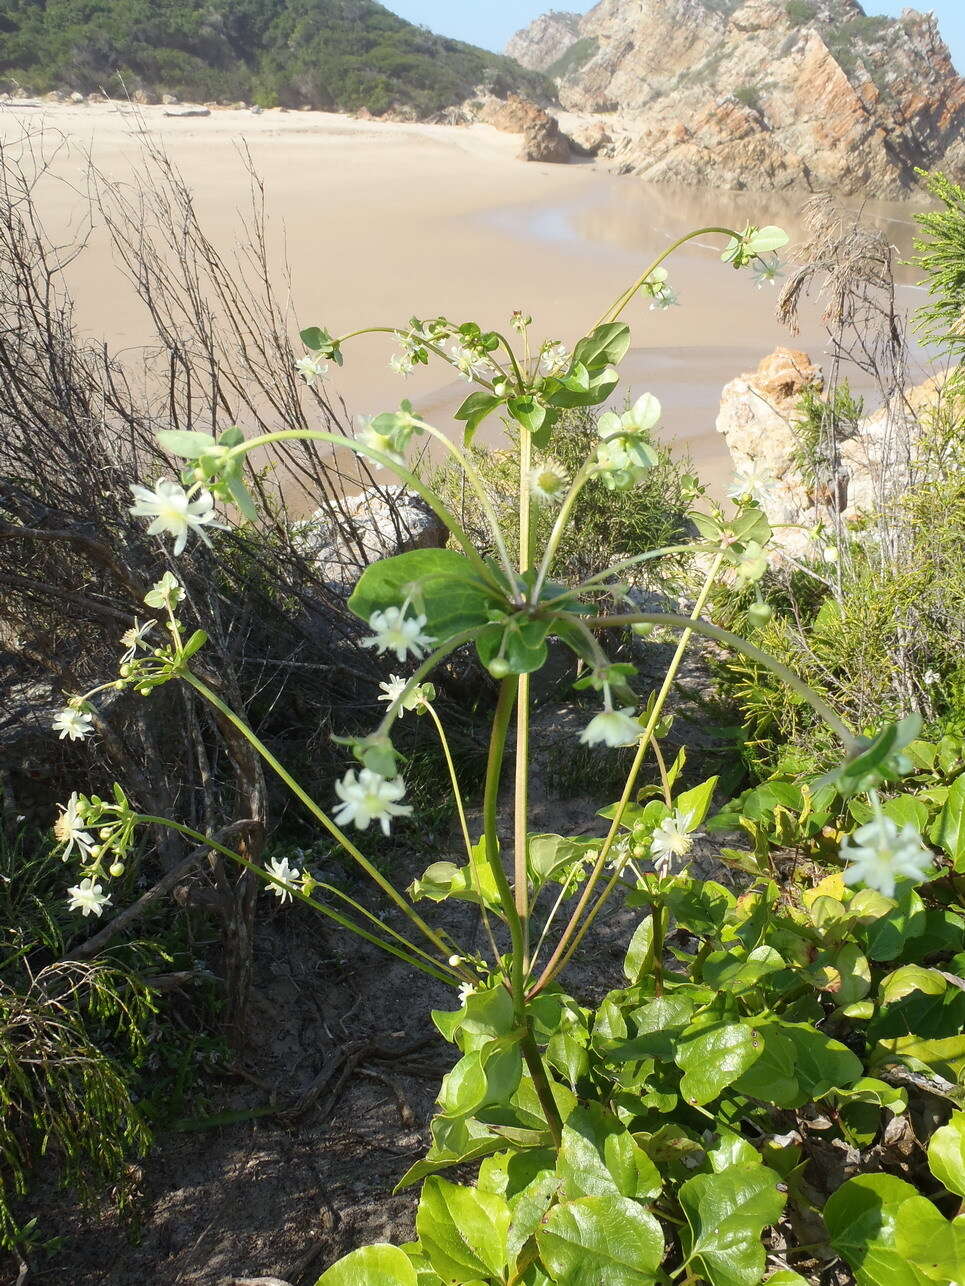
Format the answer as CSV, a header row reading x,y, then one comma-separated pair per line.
x,y
750,96
573,59
800,11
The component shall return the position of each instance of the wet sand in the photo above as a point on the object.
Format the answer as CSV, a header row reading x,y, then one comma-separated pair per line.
x,y
380,221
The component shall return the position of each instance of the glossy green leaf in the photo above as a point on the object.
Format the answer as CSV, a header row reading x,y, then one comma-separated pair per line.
x,y
946,1154
443,880
600,1156
712,1058
463,1231
726,1214
738,971
949,828
604,346
473,411
821,1063
601,1241
862,1219
439,584
379,1265
771,1078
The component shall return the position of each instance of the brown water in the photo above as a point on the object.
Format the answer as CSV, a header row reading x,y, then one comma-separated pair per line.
x,y
379,222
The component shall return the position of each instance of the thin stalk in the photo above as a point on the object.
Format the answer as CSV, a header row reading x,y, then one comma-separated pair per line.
x,y
528,1047
599,580
436,971
479,488
372,871
427,666
659,931
423,343
564,889
562,519
614,311
428,495
521,782
520,379
573,933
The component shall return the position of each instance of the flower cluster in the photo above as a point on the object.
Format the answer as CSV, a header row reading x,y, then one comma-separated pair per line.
x,y
99,834
626,455
662,295
390,433
880,853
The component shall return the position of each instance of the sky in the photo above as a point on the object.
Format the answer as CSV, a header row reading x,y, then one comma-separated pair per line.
x,y
490,23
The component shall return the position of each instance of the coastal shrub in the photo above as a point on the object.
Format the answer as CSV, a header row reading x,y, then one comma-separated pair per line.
x,y
941,257
573,59
685,1127
800,11
749,95
333,54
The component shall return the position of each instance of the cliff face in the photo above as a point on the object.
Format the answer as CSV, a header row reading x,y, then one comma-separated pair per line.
x,y
762,94
538,46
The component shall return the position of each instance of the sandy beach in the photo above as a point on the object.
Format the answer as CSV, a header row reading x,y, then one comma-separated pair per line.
x,y
379,221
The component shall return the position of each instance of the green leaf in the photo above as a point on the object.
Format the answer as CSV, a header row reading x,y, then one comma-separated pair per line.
x,y
473,411
711,1058
379,1265
484,1076
444,880
438,583
946,1154
599,1156
600,1241
454,1142
739,971
527,412
771,1078
820,1063
463,1231
604,346
639,957
862,1218
949,828
185,443
485,1015
549,857
726,1214
786,1277
697,802
521,643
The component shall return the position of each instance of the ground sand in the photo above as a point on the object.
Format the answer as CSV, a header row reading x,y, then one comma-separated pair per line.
x,y
379,221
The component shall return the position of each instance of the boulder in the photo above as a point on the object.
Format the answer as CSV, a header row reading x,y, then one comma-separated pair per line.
x,y
169,100
545,141
590,139
378,523
77,98
187,111
512,115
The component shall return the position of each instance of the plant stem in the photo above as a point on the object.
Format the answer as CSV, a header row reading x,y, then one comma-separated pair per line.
x,y
436,971
621,302
659,929
521,784
373,872
574,932
497,745
562,518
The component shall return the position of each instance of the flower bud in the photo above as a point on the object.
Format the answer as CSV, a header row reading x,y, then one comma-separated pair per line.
x,y
758,615
116,869
498,667
145,691
104,832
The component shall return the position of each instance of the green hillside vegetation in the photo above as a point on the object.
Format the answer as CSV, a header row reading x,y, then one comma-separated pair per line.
x,y
333,54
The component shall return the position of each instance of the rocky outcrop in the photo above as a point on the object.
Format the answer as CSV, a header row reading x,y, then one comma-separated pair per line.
x,y
377,523
760,418
762,94
538,46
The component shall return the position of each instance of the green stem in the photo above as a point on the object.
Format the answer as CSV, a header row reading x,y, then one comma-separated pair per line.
x,y
343,921
574,932
659,931
410,479
559,527
520,379
621,302
373,872
521,776
427,666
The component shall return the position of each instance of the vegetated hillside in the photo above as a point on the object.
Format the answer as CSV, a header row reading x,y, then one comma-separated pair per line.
x,y
335,54
808,94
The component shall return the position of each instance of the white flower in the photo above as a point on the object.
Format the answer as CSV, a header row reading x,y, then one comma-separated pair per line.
x,y
401,364
829,554
393,690
311,367
393,631
930,678
134,638
73,723
752,483
878,853
69,829
767,272
466,990
554,358
469,362
672,839
88,897
174,511
666,298
613,728
369,797
282,871
547,483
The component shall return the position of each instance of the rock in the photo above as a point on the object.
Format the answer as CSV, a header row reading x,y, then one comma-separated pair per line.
x,y
55,96
385,521
256,109
512,115
545,141
590,139
540,44
758,416
169,100
76,98
761,94
144,97
187,111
